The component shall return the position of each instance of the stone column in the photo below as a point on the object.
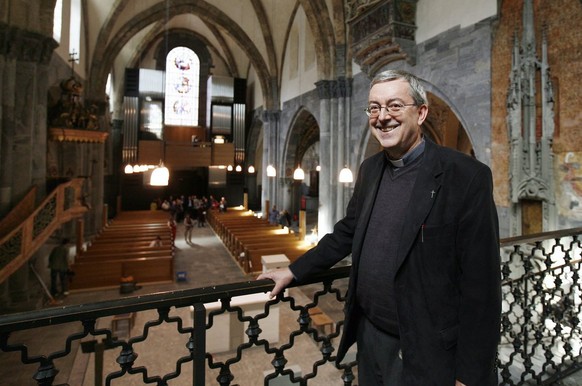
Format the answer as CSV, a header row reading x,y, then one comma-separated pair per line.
x,y
23,129
271,144
326,193
343,93
23,70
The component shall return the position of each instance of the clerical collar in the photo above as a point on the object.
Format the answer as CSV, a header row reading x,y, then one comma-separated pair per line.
x,y
408,157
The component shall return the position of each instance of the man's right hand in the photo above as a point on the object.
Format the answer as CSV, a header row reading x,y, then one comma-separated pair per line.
x,y
282,278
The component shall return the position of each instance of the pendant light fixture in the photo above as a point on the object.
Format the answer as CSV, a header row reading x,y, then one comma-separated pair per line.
x,y
299,174
271,171
160,176
346,175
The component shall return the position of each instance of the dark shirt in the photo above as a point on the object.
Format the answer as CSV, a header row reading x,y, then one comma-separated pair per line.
x,y
376,272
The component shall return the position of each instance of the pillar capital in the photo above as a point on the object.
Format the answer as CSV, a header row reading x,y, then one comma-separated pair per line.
x,y
333,89
26,46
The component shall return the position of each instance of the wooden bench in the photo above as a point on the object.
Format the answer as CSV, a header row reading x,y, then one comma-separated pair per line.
x,y
248,238
322,323
122,249
95,274
267,239
126,247
106,256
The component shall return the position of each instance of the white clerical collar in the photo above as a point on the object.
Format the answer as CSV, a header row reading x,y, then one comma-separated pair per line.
x,y
408,157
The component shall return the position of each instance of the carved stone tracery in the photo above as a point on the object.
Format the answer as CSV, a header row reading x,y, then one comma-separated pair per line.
x,y
531,162
382,32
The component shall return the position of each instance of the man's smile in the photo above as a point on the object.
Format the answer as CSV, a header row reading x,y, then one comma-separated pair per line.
x,y
387,129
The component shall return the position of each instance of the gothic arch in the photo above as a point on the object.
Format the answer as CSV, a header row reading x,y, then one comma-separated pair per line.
x,y
303,132
105,53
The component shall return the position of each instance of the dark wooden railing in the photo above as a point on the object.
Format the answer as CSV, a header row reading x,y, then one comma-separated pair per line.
x,y
62,205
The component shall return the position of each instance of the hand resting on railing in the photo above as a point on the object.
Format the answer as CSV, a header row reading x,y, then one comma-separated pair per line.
x,y
282,278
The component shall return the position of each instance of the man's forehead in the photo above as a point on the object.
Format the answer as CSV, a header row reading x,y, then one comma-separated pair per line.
x,y
396,88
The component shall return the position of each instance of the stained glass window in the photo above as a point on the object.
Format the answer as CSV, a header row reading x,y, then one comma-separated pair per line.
x,y
182,83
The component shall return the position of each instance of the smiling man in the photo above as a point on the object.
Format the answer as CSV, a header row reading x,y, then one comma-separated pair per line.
x,y
424,299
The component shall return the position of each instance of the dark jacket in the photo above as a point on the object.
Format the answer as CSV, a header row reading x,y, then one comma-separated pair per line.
x,y
447,283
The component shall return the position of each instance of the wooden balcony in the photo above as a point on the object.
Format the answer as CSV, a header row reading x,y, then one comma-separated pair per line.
x,y
184,155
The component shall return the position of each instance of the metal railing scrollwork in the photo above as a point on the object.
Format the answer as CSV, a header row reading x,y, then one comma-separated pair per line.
x,y
541,334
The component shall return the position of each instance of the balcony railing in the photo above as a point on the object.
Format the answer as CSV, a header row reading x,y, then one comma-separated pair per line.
x,y
541,337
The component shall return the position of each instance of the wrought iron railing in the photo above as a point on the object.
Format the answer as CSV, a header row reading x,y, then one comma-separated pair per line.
x,y
195,335
541,337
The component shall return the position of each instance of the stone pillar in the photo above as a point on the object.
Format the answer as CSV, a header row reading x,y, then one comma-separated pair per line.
x,y
271,145
23,70
327,195
343,93
23,129
7,130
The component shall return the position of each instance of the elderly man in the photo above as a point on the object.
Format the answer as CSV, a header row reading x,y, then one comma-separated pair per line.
x,y
424,299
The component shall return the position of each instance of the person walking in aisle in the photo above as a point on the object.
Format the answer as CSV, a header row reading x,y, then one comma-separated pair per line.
x,y
188,225
424,297
58,263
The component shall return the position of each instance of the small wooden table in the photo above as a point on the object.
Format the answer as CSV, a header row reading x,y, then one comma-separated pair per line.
x,y
321,322
271,262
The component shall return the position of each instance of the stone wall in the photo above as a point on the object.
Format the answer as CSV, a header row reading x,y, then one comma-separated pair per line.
x,y
561,21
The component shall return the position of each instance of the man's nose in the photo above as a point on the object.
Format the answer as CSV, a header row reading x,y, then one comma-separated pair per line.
x,y
384,113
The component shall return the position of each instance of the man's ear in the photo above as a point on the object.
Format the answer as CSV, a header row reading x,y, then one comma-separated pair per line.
x,y
422,113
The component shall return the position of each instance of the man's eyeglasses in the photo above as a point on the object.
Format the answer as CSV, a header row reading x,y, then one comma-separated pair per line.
x,y
373,110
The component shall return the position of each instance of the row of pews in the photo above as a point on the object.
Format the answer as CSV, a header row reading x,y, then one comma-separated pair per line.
x,y
249,238
122,251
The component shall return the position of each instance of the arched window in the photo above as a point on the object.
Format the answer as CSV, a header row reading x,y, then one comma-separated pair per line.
x,y
75,30
182,87
58,21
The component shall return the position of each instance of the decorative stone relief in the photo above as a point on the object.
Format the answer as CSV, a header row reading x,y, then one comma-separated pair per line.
x,y
382,32
531,158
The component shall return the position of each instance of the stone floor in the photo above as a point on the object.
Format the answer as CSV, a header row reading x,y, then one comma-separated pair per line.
x,y
207,262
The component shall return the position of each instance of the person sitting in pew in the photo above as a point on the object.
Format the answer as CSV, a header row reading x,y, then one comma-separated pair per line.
x,y
157,242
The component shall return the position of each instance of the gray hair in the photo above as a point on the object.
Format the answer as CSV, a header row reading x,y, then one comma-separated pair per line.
x,y
417,91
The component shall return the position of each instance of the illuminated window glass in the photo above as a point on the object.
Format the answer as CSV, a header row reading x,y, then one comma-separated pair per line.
x,y
182,84
58,21
75,29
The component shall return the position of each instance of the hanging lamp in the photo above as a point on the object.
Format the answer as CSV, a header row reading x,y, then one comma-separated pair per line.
x,y
160,176
346,175
299,174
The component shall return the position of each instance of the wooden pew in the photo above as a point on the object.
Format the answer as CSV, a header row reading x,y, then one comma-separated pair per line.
x,y
95,274
122,249
242,242
248,238
107,255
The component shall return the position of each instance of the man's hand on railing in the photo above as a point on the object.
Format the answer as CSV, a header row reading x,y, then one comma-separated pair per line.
x,y
282,278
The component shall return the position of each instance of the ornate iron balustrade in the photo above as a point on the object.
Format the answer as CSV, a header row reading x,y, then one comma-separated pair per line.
x,y
87,316
541,337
